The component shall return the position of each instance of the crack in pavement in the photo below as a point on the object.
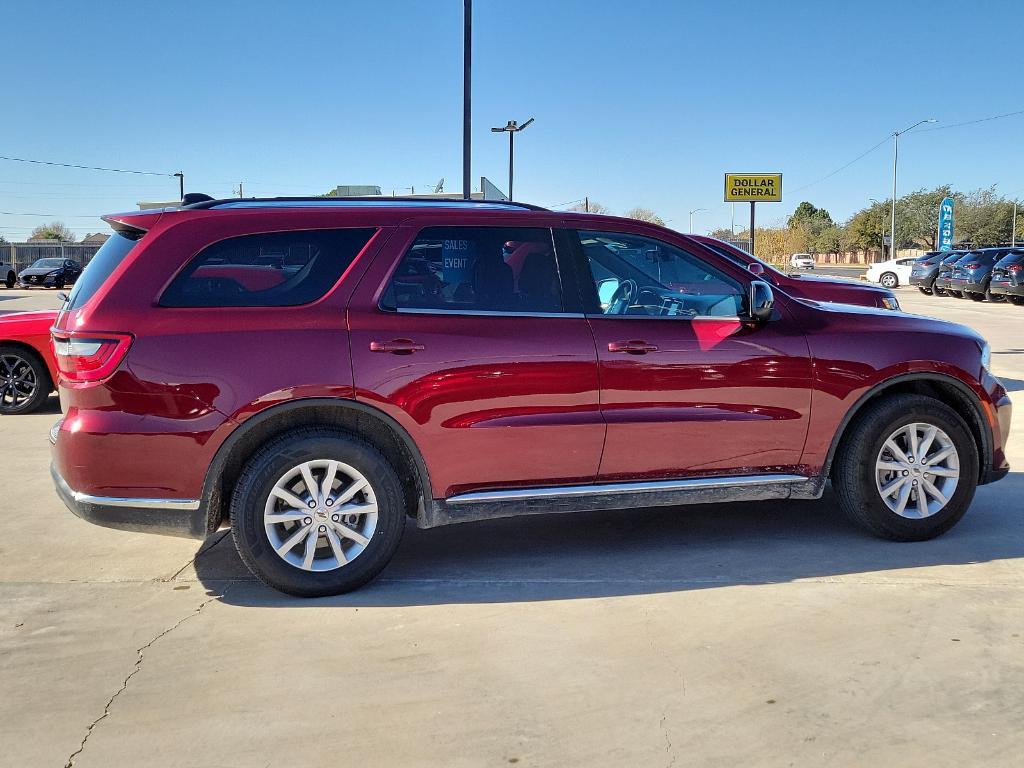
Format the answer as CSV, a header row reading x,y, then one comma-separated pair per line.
x,y
668,742
136,668
201,551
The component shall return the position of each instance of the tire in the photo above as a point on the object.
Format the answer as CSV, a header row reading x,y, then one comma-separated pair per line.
x,y
889,280
925,291
955,294
11,280
976,296
269,468
856,480
58,283
939,291
19,366
1017,300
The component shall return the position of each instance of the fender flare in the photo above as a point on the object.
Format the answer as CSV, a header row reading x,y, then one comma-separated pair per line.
x,y
985,449
212,481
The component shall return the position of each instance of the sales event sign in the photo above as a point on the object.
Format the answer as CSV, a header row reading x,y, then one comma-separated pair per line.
x,y
753,187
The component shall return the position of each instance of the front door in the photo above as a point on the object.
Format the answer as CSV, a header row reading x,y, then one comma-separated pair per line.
x,y
688,389
462,334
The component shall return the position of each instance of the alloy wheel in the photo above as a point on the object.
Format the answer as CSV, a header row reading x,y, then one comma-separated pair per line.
x,y
320,515
917,470
18,382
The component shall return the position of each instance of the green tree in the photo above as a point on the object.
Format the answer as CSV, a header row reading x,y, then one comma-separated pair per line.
x,y
983,217
55,230
645,214
725,234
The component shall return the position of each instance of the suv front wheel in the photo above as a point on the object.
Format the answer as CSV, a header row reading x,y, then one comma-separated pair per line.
x,y
317,512
907,469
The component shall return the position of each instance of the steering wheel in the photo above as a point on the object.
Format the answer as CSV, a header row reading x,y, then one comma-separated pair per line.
x,y
623,297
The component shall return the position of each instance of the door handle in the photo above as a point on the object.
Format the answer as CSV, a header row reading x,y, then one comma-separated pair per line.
x,y
632,347
396,346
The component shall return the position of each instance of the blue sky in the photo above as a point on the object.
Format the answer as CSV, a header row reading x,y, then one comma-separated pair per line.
x,y
640,103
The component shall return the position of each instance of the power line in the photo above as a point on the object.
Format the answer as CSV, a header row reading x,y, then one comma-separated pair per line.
x,y
58,215
82,167
843,168
972,122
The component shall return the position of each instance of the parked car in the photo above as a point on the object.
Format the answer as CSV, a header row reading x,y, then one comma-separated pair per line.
x,y
8,278
27,367
801,261
453,361
971,274
799,286
891,273
941,286
50,273
926,268
1008,277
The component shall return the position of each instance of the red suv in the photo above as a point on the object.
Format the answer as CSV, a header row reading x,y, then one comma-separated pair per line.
x,y
313,371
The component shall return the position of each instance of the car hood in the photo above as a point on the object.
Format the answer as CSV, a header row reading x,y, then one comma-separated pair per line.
x,y
27,323
887,321
32,271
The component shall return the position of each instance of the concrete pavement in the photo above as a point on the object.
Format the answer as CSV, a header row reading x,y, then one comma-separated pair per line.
x,y
760,634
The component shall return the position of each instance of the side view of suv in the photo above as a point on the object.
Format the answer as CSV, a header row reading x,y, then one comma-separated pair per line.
x,y
313,372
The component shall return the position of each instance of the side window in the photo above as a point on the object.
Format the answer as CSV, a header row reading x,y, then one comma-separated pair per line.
x,y
276,269
636,275
489,269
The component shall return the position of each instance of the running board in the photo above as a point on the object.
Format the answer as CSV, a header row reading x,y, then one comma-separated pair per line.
x,y
484,505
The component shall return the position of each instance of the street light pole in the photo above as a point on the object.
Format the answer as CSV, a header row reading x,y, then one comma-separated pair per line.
x,y
511,128
895,158
181,185
695,210
467,71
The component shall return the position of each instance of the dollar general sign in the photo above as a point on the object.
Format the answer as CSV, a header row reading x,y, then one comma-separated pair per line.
x,y
753,187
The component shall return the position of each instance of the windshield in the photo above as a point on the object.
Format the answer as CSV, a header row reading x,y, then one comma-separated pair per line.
x,y
47,263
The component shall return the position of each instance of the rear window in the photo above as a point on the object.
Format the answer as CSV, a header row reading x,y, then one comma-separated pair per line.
x,y
277,269
103,263
1012,258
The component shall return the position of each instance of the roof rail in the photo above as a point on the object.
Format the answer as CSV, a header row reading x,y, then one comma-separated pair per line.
x,y
382,200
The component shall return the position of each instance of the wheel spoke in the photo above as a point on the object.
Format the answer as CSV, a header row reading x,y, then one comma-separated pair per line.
x,y
311,540
352,490
294,539
897,453
926,444
287,516
911,432
891,488
348,533
339,553
329,474
922,502
943,472
890,466
934,492
901,502
312,487
288,497
944,453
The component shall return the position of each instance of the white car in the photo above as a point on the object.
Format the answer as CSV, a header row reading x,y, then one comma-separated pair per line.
x,y
801,261
892,273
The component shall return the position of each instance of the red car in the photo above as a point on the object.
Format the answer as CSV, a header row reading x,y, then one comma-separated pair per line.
x,y
312,372
804,286
27,368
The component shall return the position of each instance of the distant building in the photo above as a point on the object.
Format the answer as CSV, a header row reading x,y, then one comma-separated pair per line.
x,y
96,238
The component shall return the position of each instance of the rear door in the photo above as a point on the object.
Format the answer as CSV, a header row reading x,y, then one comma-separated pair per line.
x,y
686,387
463,334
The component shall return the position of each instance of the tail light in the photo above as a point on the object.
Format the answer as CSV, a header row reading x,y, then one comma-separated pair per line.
x,y
89,357
1014,267
971,266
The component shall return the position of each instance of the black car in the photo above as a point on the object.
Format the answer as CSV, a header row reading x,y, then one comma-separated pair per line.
x,y
941,283
1008,277
972,273
7,276
926,269
50,273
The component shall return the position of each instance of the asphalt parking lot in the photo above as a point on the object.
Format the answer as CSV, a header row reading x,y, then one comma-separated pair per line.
x,y
724,635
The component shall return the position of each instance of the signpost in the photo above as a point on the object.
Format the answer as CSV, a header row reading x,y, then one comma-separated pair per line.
x,y
753,188
946,225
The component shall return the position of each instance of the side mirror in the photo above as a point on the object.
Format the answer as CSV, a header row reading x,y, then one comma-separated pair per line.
x,y
760,302
755,268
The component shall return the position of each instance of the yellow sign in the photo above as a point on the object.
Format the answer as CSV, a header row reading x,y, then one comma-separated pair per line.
x,y
753,187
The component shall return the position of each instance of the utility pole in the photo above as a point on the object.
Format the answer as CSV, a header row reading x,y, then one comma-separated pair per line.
x,y
895,158
181,185
586,204
467,71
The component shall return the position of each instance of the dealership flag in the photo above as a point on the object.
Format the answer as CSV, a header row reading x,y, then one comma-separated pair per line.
x,y
946,224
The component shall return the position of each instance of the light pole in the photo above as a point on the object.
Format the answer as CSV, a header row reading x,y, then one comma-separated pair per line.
x,y
695,210
467,93
895,158
181,184
512,128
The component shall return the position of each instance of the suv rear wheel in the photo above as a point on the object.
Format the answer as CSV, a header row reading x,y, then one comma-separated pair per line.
x,y
317,512
907,469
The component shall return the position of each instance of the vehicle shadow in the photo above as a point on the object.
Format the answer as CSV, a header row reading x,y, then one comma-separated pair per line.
x,y
605,554
1011,385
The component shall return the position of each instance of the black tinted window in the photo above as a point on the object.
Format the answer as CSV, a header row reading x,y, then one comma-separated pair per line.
x,y
278,269
494,269
103,263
